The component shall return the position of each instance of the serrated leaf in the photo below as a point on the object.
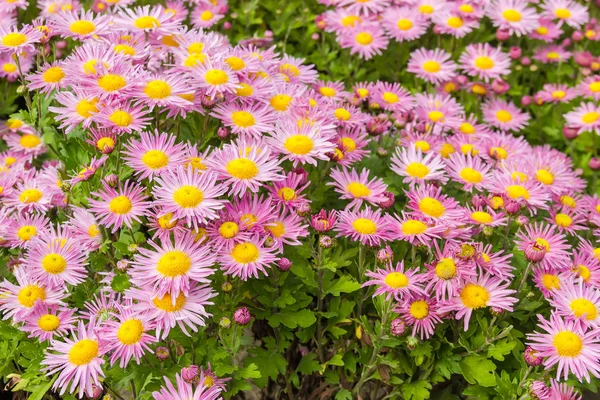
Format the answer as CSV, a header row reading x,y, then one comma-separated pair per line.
x,y
249,372
343,394
308,364
346,284
418,390
478,369
499,349
292,319
120,283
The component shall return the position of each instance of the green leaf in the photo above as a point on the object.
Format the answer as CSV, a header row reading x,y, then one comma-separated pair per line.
x,y
478,369
499,349
346,284
308,364
418,390
39,393
249,372
343,394
292,319
335,360
120,283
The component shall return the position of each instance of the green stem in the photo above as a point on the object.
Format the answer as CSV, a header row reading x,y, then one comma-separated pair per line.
x,y
524,277
320,271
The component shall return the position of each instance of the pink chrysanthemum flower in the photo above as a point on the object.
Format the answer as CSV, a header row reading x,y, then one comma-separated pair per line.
x,y
414,230
162,90
494,263
189,194
567,220
357,187
286,228
365,8
187,312
575,301
562,391
330,90
513,16
484,61
585,117
586,267
434,66
47,323
253,211
170,267
545,236
519,188
54,263
18,300
296,72
29,196
85,229
153,154
440,110
549,280
245,165
302,143
206,15
121,206
366,226
590,87
227,231
288,192
420,312
504,115
453,23
552,54
29,143
567,344
546,30
557,93
123,117
427,201
416,167
404,23
77,108
352,142
566,11
153,19
470,171
164,224
14,40
50,77
253,119
126,336
365,39
396,282
24,228
246,259
110,82
216,78
82,25
485,217
185,391
448,272
392,97
485,292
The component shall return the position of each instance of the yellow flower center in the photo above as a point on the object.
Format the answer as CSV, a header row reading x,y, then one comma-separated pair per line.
x,y
426,9
327,91
105,142
471,175
280,102
390,98
455,22
436,116
146,22
216,77
289,69
124,49
53,75
417,170
14,39
342,114
86,108
567,344
9,68
82,27
245,253
583,272
358,190
422,145
503,116
277,229
498,153
111,82
165,303
30,294
30,141
445,269
544,176
396,280
595,87
350,20
553,55
242,168
30,196
482,217
432,207
188,196
174,263
249,220
130,332
93,231
242,118
590,118
48,322
167,221
517,191
157,89
121,118
419,309
562,13
244,90
196,163
568,201
155,159
364,226
26,232
583,306
511,15
542,30
431,66
558,94
543,243
229,230
550,282
484,62
206,15
413,227
287,194
54,263
364,38
299,144
83,352
466,128
120,205
563,220
474,296
466,8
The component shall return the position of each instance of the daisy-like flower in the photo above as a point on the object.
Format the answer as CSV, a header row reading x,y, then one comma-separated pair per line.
x,y
170,268
84,228
189,194
78,360
547,31
549,280
82,25
440,110
146,19
357,187
590,87
48,322
365,8
484,61
567,220
29,196
420,312
585,117
557,93
51,77
586,267
247,258
330,90
77,108
484,292
469,171
253,211
416,167
453,23
296,72
252,119
566,11
55,263
166,312
392,97
206,15
577,301
562,391
19,299
552,54
122,206
504,115
428,202
366,226
153,154
123,117
513,16
227,231
216,78
396,282
14,40
185,390
24,228
545,236
366,40
286,228
29,143
245,165
404,23
126,336
162,90
352,142
566,343
485,217
448,272
495,263
302,143
288,192
414,230
111,81
434,66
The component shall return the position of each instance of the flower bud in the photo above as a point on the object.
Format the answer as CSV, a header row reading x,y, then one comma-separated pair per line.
x,y
389,202
162,353
497,311
111,180
526,61
522,220
227,287
512,207
531,357
190,374
535,252
526,101
303,209
284,264
223,133
412,342
225,323
227,25
577,36
132,248
323,221
122,264
385,255
242,316
594,164
478,201
302,174
326,242
487,231
515,52
570,133
397,327
315,36
381,152
96,392
539,391
502,35
269,241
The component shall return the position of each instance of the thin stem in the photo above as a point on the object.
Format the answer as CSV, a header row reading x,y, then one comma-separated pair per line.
x,y
524,277
527,372
320,271
132,385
